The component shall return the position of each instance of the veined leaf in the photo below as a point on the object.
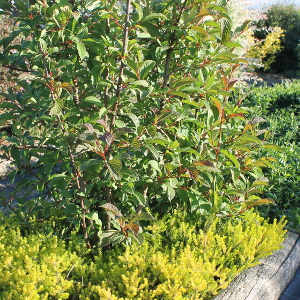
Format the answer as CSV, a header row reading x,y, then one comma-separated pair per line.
x,y
146,67
153,151
164,114
107,138
180,94
152,130
248,139
140,198
144,35
142,216
205,165
89,163
82,52
153,16
231,157
134,119
256,120
135,143
68,87
141,83
179,83
57,107
200,29
92,100
117,239
170,191
113,209
94,216
226,31
115,166
273,147
159,141
260,202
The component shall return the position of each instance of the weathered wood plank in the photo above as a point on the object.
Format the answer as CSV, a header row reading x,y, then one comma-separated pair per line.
x,y
269,279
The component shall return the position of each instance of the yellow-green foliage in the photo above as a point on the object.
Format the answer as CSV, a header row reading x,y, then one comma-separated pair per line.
x,y
34,267
266,48
179,261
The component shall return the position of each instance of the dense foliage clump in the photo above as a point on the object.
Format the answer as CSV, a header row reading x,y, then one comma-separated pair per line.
x,y
279,106
286,17
180,259
125,104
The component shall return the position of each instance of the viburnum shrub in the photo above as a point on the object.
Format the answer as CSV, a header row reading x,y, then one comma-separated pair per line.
x,y
124,106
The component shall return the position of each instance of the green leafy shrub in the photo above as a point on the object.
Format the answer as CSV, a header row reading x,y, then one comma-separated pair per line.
x,y
181,261
126,103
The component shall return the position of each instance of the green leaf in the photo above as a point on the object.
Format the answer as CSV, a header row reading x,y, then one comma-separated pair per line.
x,y
142,216
144,35
82,52
91,100
154,165
72,209
231,157
200,29
7,105
89,163
135,143
233,45
115,166
57,107
134,119
153,16
159,141
153,151
226,31
260,202
181,94
94,216
117,239
140,198
170,191
112,208
140,83
146,67
247,139
179,83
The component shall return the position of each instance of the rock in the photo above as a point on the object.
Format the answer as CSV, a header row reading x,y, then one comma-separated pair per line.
x,y
269,279
5,168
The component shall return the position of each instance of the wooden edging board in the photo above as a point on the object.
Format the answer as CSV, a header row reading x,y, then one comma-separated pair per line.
x,y
267,280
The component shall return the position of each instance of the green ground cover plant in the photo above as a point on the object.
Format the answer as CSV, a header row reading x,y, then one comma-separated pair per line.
x,y
280,106
180,259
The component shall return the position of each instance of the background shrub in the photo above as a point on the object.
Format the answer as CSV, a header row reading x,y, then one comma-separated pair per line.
x,y
288,18
279,106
